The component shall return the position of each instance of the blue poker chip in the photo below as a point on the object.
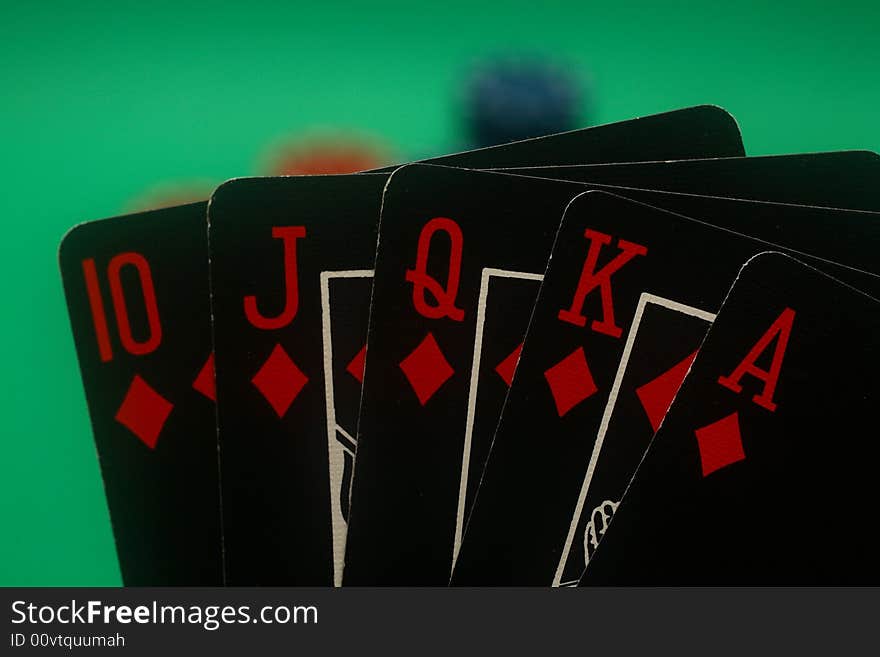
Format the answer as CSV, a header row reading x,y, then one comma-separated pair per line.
x,y
510,99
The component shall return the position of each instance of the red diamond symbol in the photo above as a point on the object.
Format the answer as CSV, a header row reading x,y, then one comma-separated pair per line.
x,y
720,444
657,395
356,366
204,382
507,367
144,411
571,381
426,369
280,380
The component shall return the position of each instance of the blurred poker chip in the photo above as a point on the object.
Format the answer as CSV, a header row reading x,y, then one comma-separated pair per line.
x,y
506,99
325,154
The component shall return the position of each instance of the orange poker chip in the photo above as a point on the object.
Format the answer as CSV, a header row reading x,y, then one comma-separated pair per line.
x,y
316,156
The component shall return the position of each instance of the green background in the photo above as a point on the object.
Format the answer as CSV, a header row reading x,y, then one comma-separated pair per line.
x,y
101,103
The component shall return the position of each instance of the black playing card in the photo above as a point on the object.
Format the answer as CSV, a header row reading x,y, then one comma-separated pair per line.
x,y
291,268
619,269
133,286
694,132
844,179
299,249
403,526
763,470
438,265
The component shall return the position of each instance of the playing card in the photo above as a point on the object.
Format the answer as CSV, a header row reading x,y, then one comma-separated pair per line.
x,y
291,283
137,295
291,268
843,179
613,259
762,472
693,132
438,264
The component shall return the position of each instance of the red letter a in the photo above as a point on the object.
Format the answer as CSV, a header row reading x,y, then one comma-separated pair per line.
x,y
782,328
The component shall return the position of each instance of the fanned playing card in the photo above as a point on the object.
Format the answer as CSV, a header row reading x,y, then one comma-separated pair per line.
x,y
137,294
842,179
762,472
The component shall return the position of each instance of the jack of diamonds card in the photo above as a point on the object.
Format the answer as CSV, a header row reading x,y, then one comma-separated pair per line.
x,y
763,470
294,288
137,296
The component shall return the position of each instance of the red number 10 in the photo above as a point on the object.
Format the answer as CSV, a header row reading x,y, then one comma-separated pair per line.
x,y
99,317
